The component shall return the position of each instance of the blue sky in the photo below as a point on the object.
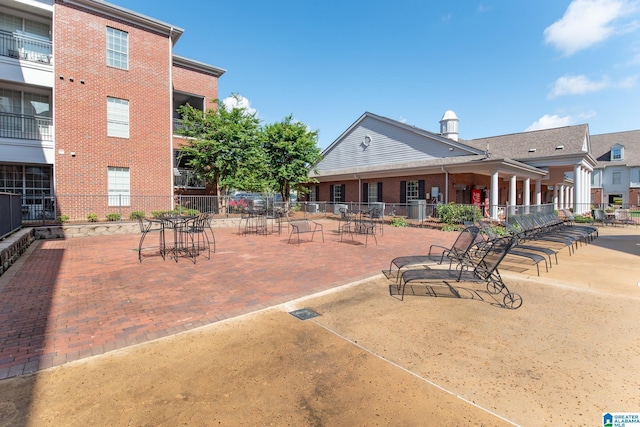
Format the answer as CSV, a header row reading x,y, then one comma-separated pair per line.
x,y
503,66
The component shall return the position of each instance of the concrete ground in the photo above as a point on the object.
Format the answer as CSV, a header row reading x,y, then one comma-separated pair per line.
x,y
91,336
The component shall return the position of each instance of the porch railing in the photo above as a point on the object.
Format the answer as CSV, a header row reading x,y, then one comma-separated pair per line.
x,y
21,126
21,46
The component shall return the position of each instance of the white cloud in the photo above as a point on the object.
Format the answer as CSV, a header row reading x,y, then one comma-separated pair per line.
x,y
577,85
237,101
555,121
548,122
589,22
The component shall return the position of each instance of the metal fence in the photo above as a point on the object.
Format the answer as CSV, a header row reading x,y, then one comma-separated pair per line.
x,y
88,208
22,126
11,219
24,47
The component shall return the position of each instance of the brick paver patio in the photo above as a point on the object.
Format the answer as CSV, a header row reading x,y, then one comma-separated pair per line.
x,y
70,299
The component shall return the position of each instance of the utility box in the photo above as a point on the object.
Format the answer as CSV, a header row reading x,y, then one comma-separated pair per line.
x,y
337,207
418,209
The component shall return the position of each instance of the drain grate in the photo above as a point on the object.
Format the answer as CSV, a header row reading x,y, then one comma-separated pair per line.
x,y
304,313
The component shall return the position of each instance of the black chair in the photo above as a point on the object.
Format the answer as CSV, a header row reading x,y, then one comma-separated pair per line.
x,y
151,226
436,254
481,266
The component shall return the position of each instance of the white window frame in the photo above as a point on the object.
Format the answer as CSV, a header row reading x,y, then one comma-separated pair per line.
x,y
616,177
119,186
117,48
616,153
372,197
117,117
413,190
337,193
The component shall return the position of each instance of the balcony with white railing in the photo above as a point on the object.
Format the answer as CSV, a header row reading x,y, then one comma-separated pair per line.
x,y
25,47
21,126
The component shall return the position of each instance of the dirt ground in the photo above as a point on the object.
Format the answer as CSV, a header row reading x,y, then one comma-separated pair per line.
x,y
570,353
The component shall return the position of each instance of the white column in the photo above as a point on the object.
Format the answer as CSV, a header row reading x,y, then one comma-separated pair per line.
x,y
555,196
538,192
577,179
587,182
561,196
494,196
570,201
513,200
526,190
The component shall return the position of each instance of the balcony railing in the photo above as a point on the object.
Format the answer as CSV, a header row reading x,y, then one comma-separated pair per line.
x,y
186,178
20,126
24,47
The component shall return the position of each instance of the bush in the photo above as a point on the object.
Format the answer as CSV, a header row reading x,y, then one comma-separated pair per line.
x,y
113,217
136,215
92,217
582,219
63,218
399,221
157,214
452,213
450,227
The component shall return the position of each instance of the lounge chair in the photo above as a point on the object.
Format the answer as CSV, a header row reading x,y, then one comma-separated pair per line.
x,y
436,254
481,266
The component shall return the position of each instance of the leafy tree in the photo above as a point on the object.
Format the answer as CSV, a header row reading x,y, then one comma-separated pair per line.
x,y
292,151
224,147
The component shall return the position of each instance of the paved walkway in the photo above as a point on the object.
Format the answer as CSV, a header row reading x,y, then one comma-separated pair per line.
x,y
65,300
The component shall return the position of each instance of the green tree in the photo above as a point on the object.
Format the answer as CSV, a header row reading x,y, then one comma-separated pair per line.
x,y
292,152
224,147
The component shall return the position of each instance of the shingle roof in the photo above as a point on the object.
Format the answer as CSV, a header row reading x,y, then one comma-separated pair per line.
x,y
545,142
630,140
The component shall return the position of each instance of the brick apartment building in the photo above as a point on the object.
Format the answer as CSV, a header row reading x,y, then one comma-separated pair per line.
x,y
88,100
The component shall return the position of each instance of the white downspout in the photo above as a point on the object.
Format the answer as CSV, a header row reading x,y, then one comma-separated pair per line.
x,y
172,175
446,185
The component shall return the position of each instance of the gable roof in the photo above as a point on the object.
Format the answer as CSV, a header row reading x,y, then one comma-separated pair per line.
x,y
400,125
630,140
399,149
524,146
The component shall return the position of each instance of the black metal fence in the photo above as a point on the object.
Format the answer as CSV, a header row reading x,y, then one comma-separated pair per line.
x,y
10,218
44,209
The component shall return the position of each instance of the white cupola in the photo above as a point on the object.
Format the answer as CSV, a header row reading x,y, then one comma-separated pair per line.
x,y
449,125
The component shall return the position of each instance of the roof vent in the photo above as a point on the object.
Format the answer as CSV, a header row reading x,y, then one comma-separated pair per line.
x,y
532,150
559,147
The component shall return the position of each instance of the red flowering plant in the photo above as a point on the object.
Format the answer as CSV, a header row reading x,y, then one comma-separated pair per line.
x,y
238,206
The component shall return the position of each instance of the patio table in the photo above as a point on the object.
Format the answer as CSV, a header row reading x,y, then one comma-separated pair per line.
x,y
181,236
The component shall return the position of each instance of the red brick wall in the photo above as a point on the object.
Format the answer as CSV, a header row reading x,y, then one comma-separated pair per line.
x,y
197,83
82,83
391,187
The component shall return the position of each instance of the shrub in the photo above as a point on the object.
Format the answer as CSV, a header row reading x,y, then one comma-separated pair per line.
x,y
399,221
113,217
63,218
157,214
582,219
450,227
136,215
92,217
452,213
